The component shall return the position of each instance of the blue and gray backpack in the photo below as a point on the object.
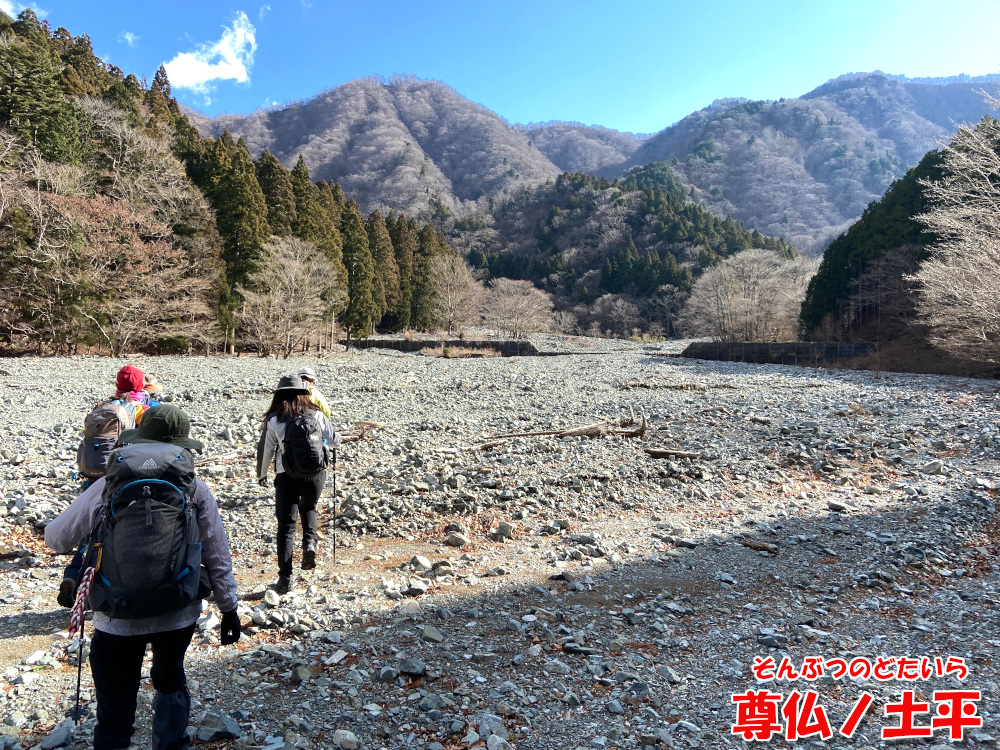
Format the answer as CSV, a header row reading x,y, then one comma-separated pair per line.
x,y
146,548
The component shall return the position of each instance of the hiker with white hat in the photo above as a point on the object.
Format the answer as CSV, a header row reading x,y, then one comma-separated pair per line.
x,y
308,376
300,440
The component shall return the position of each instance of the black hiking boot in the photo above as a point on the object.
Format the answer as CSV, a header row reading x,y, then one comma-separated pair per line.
x,y
283,585
67,593
309,559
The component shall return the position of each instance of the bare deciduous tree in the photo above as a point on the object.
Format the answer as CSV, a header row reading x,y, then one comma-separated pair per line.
x,y
751,296
458,294
959,285
292,296
515,308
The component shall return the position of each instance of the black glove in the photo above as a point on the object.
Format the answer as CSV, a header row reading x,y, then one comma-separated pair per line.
x,y
262,481
231,628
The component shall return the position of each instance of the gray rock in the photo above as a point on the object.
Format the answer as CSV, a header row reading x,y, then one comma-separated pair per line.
x,y
933,467
614,707
669,674
388,674
457,539
216,727
345,740
61,736
413,667
432,634
301,674
271,598
421,563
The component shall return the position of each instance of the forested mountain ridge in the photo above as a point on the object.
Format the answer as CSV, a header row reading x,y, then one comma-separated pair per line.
x,y
396,144
804,169
574,147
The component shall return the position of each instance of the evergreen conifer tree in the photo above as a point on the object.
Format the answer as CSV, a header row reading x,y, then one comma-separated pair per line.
x,y
328,200
313,224
429,246
386,287
241,213
404,245
361,310
276,183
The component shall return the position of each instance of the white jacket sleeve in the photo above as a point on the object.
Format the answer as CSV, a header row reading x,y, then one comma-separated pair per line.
x,y
77,521
330,436
266,447
216,556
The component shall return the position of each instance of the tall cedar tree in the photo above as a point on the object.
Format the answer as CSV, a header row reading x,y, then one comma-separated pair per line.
x,y
276,183
216,160
430,244
404,245
241,213
32,99
313,223
361,312
386,287
328,199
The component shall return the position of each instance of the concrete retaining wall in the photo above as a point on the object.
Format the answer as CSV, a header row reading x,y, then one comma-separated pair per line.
x,y
778,354
503,348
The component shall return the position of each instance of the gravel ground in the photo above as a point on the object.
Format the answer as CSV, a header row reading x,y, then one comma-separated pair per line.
x,y
545,591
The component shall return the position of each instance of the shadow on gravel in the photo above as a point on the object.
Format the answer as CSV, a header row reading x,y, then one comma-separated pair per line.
x,y
657,643
34,623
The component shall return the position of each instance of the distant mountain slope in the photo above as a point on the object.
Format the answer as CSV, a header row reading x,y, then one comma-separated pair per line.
x,y
805,169
574,147
400,144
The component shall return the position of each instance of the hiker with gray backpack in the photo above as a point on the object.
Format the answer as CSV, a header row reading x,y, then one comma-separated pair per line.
x,y
102,429
300,440
157,548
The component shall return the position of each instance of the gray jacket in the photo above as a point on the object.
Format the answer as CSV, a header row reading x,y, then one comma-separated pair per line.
x,y
77,521
272,438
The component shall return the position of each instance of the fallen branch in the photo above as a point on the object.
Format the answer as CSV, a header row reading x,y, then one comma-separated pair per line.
x,y
598,429
362,430
215,459
760,546
670,453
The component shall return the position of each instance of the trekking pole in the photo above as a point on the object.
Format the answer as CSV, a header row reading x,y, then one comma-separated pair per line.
x,y
76,624
334,506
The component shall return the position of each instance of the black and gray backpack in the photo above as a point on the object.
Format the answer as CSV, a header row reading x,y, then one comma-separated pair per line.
x,y
146,548
303,454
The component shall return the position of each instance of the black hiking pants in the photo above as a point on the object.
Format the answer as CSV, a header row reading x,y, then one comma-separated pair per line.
x,y
291,497
116,664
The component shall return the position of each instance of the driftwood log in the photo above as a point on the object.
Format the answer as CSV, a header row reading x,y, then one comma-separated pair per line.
x,y
760,546
596,430
361,431
670,453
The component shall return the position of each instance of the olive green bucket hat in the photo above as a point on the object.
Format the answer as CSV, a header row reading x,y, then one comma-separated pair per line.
x,y
165,423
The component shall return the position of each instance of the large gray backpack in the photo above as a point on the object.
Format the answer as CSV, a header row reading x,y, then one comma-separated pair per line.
x,y
146,548
101,430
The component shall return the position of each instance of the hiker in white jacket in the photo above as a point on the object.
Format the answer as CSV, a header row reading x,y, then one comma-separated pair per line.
x,y
119,645
293,495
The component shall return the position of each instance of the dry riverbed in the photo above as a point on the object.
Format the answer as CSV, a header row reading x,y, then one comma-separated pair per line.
x,y
545,591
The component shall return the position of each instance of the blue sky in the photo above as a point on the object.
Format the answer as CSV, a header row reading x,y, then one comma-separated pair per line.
x,y
635,66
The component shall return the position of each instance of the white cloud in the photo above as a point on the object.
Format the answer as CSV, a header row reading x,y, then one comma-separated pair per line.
x,y
12,8
264,9
132,40
229,59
